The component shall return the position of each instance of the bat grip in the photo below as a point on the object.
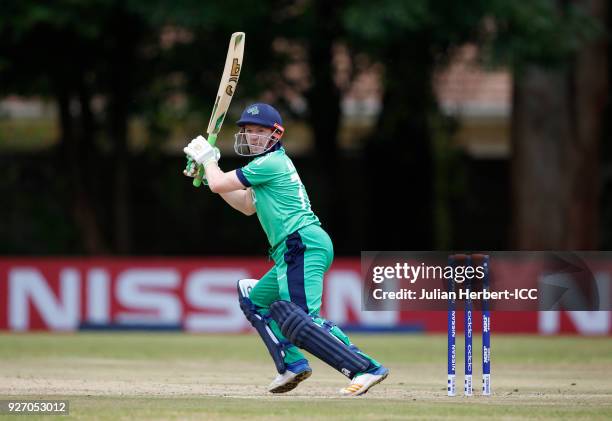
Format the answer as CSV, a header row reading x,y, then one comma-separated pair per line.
x,y
197,181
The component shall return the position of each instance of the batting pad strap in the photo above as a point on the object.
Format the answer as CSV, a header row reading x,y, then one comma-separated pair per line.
x,y
328,325
302,331
258,321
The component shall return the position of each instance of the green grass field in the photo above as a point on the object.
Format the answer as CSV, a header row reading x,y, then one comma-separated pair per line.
x,y
111,376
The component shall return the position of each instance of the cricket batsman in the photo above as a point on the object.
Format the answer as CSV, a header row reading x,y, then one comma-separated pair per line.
x,y
283,306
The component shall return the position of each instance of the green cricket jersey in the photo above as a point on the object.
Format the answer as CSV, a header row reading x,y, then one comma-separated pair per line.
x,y
279,196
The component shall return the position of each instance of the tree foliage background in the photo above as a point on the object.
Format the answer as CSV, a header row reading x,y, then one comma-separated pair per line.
x,y
107,63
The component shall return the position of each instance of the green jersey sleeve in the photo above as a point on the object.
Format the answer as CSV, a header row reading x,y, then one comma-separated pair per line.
x,y
261,170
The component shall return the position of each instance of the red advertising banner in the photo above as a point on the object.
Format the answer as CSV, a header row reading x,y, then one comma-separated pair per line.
x,y
199,295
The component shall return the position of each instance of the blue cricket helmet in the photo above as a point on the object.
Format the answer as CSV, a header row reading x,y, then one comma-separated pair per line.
x,y
260,114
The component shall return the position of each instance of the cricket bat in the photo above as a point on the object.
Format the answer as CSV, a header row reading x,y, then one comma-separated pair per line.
x,y
227,87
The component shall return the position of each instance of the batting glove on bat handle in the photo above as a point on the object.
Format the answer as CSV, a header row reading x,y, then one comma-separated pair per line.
x,y
196,171
200,150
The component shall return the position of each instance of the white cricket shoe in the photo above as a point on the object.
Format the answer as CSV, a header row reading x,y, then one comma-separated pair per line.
x,y
290,379
363,382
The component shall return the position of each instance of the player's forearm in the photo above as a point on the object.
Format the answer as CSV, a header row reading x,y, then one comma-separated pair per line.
x,y
215,176
241,200
221,182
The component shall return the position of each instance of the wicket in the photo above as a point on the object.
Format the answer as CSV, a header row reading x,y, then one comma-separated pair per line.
x,y
467,260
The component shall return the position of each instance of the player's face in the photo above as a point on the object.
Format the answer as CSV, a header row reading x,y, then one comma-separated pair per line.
x,y
257,137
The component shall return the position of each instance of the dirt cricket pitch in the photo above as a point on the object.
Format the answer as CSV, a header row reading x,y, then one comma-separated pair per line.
x,y
178,376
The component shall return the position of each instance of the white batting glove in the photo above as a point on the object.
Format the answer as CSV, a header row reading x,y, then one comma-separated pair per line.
x,y
200,151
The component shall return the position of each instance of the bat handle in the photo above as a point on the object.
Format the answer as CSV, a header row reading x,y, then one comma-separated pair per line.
x,y
197,181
